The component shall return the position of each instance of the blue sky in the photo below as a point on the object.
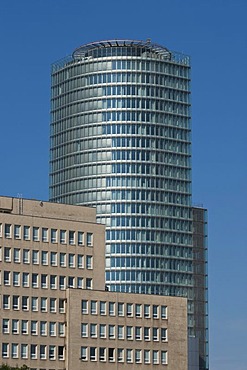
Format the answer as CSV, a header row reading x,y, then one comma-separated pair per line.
x,y
35,33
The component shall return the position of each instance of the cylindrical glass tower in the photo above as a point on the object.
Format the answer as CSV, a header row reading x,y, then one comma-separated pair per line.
x,y
120,141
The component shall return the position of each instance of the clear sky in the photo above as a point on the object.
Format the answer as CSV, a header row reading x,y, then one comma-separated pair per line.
x,y
35,33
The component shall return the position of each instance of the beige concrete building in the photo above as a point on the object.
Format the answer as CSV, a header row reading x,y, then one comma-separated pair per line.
x,y
55,312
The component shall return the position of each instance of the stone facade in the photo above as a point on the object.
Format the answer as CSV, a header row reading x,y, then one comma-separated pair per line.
x,y
55,312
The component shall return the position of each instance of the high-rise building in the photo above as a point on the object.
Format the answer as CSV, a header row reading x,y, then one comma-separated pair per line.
x,y
121,142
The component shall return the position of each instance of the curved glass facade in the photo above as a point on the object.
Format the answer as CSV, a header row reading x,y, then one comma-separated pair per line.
x,y
121,142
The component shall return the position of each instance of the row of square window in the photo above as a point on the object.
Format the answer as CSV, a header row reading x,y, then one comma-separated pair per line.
x,y
34,304
124,309
34,327
45,281
37,257
124,355
32,351
122,332
45,235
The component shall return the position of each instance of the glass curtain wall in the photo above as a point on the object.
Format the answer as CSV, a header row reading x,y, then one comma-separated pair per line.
x,y
121,142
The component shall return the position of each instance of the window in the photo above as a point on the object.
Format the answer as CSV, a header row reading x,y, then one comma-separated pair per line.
x,y
62,303
42,352
138,333
33,351
155,334
61,329
43,304
7,254
5,350
146,334
5,325
164,357
43,328
26,256
61,352
84,306
111,354
84,330
129,355
26,232
63,236
35,283
89,283
44,258
44,281
16,278
129,330
71,260
62,258
71,282
93,330
71,237
79,282
138,310
120,332
155,357
44,234
84,353
93,353
53,235
17,254
53,303
111,331
137,356
80,238
62,282
102,308
34,327
89,262
53,258
120,354
52,329
24,327
7,231
120,309
112,308
93,307
35,257
6,301
14,350
89,239
129,309
146,311
24,303
53,282
163,334
155,311
35,234
102,354
1,230
34,303
15,326
147,356
17,231
6,277
15,302
102,331
164,312
25,279
80,261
